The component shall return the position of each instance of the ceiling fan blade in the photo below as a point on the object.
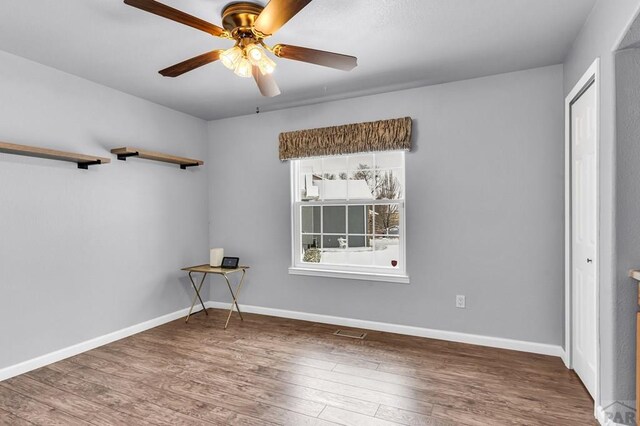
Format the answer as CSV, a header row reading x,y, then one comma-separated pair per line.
x,y
277,13
266,83
176,15
318,57
191,64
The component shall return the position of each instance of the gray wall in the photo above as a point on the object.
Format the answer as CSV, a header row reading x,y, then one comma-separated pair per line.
x,y
484,208
88,252
600,37
627,211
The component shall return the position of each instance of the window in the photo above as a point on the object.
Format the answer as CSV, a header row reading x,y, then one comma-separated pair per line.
x,y
348,216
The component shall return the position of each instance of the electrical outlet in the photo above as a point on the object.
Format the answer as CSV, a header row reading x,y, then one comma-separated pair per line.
x,y
461,301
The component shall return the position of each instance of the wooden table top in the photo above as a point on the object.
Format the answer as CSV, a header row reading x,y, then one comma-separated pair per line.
x,y
208,269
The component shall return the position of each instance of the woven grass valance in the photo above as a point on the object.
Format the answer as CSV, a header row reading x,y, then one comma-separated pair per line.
x,y
383,135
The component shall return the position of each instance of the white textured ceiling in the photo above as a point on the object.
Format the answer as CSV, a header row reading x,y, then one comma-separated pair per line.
x,y
399,43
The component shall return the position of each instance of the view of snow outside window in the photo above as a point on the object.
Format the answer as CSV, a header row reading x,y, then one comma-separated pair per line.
x,y
349,210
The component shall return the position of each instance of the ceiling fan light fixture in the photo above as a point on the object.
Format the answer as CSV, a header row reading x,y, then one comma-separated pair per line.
x,y
231,57
266,65
254,53
243,68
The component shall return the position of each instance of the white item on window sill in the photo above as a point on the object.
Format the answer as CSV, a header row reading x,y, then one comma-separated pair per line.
x,y
215,257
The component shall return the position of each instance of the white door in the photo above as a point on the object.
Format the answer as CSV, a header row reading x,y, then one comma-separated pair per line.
x,y
584,131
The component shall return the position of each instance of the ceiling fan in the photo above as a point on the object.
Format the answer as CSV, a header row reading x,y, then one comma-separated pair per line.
x,y
248,24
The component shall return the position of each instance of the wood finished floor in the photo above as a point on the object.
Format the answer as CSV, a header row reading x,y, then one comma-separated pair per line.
x,y
269,370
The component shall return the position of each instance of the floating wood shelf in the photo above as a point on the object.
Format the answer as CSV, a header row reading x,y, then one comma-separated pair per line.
x,y
124,153
83,161
635,274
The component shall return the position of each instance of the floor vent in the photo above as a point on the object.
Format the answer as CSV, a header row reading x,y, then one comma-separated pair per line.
x,y
351,334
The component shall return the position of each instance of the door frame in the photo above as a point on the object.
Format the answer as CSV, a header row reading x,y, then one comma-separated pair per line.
x,y
590,77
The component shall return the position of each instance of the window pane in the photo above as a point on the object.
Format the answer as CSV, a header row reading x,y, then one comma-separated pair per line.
x,y
360,162
334,242
312,165
386,251
301,194
370,219
357,220
388,160
311,241
369,242
335,175
310,219
360,253
309,173
359,188
387,219
388,185
336,256
334,220
363,182
357,241
335,164
333,186
398,174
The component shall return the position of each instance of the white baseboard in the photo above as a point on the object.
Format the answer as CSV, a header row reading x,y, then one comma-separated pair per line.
x,y
496,342
50,358
474,339
565,359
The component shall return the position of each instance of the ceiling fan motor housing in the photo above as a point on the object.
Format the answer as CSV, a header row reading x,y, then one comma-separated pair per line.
x,y
239,18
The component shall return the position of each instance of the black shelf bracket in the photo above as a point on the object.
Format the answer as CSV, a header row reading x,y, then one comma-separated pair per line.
x,y
123,157
85,164
184,166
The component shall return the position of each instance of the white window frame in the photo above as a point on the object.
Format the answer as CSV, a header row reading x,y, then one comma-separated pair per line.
x,y
359,272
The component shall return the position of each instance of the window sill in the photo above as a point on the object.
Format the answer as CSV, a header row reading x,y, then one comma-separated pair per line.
x,y
390,278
